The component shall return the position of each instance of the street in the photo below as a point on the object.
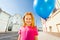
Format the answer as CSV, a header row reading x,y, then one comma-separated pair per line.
x,y
14,35
46,36
8,36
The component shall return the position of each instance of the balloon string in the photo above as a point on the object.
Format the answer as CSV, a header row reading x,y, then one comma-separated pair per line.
x,y
45,26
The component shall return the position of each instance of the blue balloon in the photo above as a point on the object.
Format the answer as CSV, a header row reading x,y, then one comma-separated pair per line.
x,y
44,7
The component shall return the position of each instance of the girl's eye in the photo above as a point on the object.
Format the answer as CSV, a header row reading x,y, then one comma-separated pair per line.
x,y
26,18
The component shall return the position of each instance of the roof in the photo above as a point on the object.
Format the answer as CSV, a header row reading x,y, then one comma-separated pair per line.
x,y
4,12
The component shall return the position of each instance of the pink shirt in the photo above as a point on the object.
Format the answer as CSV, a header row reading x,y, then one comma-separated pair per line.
x,y
28,33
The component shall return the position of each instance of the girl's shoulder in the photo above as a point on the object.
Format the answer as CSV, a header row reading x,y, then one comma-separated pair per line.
x,y
22,27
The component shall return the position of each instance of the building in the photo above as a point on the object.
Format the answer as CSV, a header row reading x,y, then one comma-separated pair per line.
x,y
15,22
4,19
10,22
57,4
52,24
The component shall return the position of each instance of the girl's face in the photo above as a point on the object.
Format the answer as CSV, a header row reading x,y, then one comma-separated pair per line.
x,y
28,20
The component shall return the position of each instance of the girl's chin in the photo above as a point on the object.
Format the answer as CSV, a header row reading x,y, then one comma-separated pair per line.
x,y
28,25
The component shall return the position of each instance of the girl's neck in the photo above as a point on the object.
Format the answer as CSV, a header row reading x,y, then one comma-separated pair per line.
x,y
28,25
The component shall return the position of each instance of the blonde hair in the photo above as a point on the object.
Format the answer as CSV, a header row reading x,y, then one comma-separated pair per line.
x,y
29,13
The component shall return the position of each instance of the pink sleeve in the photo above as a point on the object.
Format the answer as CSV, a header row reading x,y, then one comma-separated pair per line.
x,y
36,31
19,32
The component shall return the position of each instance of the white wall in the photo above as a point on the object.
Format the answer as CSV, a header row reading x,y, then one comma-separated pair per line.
x,y
3,21
57,4
53,21
43,25
17,22
15,28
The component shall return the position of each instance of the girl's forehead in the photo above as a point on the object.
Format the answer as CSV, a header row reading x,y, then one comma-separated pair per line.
x,y
28,16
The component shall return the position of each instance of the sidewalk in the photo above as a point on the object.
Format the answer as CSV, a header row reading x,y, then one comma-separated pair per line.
x,y
8,35
47,36
57,34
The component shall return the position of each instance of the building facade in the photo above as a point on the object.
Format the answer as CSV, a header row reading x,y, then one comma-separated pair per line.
x,y
10,23
52,24
4,19
15,22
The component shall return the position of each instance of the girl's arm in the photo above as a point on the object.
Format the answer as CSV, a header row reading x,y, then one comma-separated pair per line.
x,y
36,37
19,37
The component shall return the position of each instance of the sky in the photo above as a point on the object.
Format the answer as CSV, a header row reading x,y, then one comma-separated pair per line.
x,y
20,7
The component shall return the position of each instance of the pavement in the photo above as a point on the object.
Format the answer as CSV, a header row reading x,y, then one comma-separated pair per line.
x,y
8,36
14,35
54,33
47,36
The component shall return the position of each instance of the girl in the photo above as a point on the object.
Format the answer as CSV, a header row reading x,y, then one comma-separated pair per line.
x,y
29,30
